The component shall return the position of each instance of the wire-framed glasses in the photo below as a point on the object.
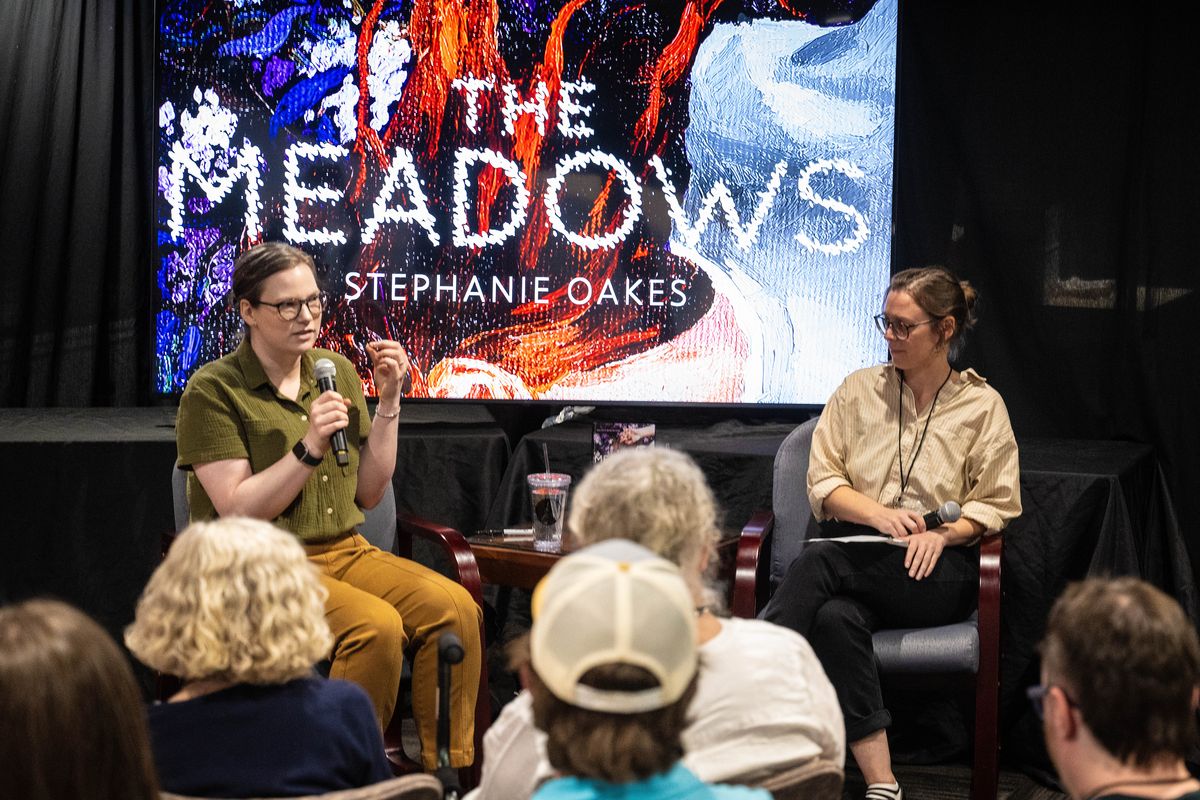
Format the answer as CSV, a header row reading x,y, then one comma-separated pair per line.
x,y
899,328
290,309
1037,698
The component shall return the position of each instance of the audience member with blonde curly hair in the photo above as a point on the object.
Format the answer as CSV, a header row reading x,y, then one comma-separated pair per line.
x,y
71,718
659,499
237,612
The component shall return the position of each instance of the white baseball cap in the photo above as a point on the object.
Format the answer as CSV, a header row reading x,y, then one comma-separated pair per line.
x,y
614,602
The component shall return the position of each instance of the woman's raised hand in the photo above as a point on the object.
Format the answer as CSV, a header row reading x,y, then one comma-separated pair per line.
x,y
391,365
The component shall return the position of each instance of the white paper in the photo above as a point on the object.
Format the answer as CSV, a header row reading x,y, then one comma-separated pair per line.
x,y
865,537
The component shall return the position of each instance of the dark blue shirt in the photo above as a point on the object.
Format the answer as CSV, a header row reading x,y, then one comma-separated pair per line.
x,y
304,737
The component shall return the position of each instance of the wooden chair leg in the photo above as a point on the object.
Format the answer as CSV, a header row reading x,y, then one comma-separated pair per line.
x,y
985,776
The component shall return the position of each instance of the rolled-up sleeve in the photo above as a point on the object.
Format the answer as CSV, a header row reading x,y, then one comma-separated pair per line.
x,y
994,477
827,461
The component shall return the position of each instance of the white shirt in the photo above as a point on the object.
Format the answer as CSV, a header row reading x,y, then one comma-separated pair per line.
x,y
763,703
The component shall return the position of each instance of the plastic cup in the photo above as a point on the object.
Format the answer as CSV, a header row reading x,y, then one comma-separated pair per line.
x,y
548,496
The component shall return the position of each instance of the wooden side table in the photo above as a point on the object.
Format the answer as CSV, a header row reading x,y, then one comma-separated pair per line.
x,y
511,560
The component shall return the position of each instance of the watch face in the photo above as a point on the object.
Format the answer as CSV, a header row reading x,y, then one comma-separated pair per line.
x,y
301,452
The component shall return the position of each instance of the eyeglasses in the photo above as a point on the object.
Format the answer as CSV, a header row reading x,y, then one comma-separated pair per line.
x,y
290,309
899,329
1037,698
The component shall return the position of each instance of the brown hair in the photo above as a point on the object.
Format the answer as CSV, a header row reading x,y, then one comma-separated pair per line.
x,y
940,294
262,261
72,722
1128,657
615,748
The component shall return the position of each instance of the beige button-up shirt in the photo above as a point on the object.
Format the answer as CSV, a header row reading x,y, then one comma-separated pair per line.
x,y
969,454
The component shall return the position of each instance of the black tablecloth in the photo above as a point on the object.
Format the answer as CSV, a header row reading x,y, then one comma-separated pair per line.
x,y
1090,508
737,459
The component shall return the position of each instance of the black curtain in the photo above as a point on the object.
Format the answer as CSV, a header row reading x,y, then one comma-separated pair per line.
x,y
1045,153
1048,154
76,172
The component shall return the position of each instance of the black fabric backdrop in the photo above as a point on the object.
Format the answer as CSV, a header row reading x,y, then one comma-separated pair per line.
x,y
1047,155
76,173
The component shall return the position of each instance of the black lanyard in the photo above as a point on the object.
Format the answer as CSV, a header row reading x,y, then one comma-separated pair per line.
x,y
904,479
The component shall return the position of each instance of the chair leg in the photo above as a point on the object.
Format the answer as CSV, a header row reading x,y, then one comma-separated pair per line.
x,y
985,774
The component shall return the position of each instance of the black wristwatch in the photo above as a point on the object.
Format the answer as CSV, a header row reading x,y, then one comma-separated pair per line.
x,y
301,452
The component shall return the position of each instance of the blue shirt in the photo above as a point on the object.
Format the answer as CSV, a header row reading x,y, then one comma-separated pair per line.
x,y
308,736
677,783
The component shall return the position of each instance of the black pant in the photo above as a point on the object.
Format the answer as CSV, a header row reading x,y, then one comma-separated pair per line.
x,y
836,594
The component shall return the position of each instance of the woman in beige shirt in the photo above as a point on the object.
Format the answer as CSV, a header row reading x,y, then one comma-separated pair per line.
x,y
893,442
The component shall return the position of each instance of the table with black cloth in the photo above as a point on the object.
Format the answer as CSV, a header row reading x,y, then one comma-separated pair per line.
x,y
737,458
91,490
1090,508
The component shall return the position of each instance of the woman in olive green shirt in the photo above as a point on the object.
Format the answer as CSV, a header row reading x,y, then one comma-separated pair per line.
x,y
254,429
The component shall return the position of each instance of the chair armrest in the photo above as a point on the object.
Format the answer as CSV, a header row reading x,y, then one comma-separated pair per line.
x,y
990,550
751,585
451,542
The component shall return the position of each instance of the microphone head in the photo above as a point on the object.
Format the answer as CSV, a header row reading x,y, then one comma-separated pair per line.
x,y
950,511
450,648
324,368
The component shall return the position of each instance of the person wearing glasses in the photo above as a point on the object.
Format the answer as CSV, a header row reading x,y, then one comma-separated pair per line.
x,y
254,429
894,442
1119,691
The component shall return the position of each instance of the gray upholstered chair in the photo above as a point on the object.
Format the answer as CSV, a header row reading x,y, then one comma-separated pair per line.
x,y
379,528
772,540
406,787
393,532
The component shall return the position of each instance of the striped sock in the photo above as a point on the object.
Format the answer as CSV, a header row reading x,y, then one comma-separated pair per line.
x,y
884,791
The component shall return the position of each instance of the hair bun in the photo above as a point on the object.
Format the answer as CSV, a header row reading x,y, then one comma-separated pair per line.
x,y
969,296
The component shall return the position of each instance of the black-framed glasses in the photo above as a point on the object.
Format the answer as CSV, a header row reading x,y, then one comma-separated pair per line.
x,y
290,309
1037,698
899,328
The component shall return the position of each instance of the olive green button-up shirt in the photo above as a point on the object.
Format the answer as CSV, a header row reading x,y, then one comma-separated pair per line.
x,y
231,410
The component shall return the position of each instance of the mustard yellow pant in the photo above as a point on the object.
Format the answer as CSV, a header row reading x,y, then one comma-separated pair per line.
x,y
379,606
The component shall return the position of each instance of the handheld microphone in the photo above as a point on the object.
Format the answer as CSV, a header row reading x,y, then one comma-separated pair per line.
x,y
949,511
324,370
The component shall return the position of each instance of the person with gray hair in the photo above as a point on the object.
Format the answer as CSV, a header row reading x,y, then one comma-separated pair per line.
x,y
238,613
1119,691
659,499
